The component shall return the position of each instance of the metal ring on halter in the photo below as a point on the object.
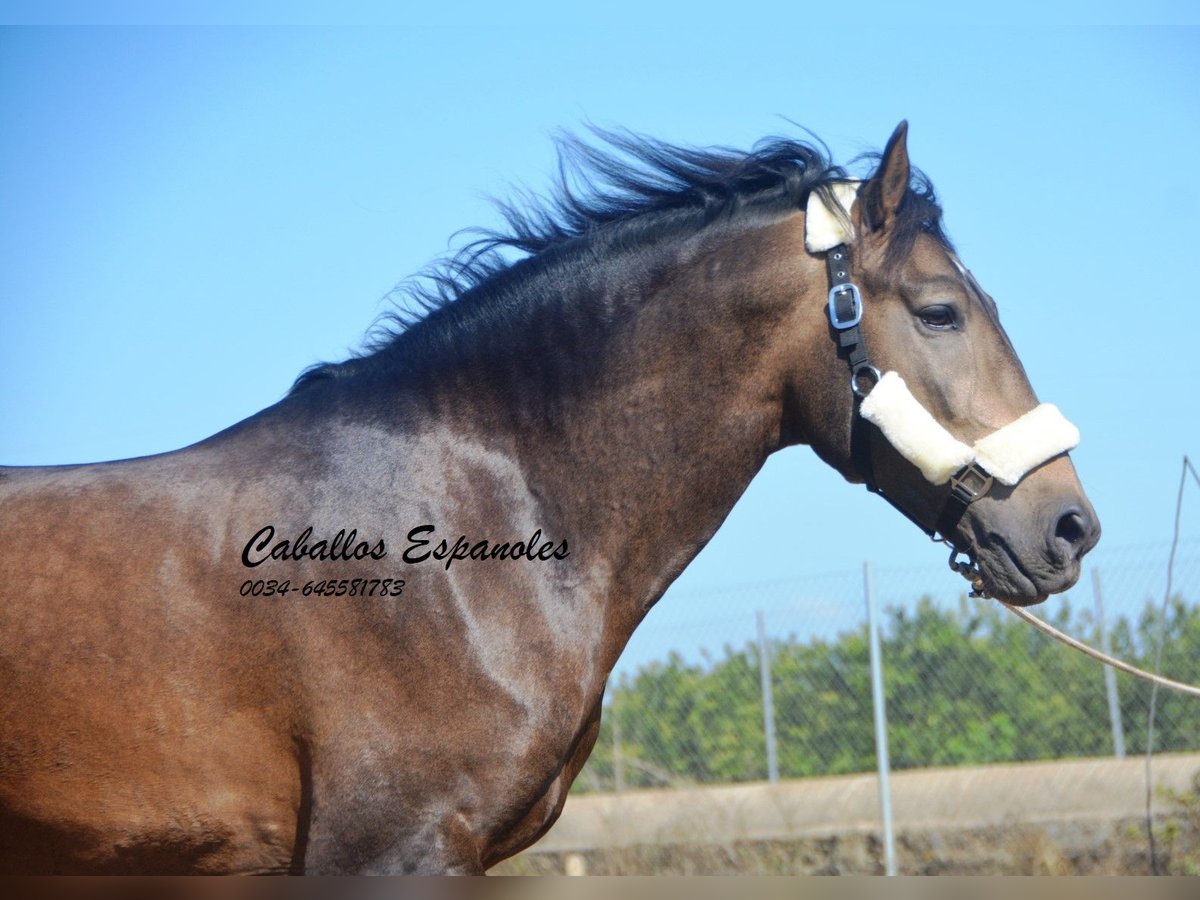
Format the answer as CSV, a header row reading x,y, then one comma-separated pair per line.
x,y
957,566
968,570
858,371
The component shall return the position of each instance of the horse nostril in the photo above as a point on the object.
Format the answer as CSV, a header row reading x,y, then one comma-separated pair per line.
x,y
1077,530
1070,528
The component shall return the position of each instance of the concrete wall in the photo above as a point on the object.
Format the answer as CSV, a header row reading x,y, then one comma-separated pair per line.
x,y
979,797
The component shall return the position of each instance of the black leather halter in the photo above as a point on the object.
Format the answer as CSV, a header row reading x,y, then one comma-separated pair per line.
x,y
967,485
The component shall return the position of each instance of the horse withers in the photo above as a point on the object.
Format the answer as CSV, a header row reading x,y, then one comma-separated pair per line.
x,y
368,629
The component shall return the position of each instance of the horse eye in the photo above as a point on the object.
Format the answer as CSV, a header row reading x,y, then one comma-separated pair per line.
x,y
939,318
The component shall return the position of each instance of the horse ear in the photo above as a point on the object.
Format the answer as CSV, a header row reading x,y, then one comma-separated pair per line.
x,y
885,191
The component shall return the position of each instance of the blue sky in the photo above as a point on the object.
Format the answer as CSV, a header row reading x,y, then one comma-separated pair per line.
x,y
189,216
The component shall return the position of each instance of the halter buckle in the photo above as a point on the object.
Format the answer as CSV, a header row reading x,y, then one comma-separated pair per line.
x,y
970,483
854,315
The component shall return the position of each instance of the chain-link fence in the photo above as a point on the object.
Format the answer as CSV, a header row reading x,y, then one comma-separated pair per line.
x,y
965,681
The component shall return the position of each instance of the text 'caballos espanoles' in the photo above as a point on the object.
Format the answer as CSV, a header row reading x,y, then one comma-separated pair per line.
x,y
346,546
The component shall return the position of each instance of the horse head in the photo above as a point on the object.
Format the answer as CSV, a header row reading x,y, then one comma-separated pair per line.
x,y
935,410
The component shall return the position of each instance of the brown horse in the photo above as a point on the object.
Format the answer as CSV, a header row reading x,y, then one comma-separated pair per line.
x,y
368,629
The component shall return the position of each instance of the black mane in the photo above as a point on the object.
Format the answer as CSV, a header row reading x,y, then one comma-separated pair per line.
x,y
631,192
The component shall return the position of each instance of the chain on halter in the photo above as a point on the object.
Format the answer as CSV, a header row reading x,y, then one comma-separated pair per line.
x,y
967,485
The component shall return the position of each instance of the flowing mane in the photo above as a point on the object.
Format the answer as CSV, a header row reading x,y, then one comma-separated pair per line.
x,y
630,193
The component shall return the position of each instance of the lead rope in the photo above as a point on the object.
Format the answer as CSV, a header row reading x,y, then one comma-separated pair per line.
x,y
1049,629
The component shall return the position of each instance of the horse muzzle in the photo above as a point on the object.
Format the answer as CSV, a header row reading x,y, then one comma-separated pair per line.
x,y
1028,542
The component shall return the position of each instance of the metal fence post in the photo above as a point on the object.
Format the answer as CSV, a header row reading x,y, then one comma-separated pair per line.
x,y
618,756
881,740
1110,677
768,702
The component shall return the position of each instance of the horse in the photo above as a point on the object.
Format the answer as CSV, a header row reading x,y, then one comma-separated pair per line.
x,y
368,629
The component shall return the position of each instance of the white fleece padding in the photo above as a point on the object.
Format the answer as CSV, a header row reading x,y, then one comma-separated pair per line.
x,y
914,433
1039,435
1007,453
825,228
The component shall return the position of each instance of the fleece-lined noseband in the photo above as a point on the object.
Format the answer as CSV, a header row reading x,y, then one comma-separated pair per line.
x,y
1005,455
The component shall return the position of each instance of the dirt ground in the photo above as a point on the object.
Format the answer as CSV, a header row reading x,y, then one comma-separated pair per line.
x,y
1116,848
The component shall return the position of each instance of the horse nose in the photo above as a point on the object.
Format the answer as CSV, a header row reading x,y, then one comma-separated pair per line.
x,y
1076,531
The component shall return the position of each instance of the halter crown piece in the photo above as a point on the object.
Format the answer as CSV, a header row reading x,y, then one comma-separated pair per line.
x,y
883,400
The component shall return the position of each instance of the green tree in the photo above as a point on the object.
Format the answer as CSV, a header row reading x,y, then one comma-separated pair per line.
x,y
966,686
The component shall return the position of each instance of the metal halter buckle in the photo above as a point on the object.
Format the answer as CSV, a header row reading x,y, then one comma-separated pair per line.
x,y
856,308
970,483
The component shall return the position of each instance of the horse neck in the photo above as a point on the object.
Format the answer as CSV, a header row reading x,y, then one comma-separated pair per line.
x,y
684,403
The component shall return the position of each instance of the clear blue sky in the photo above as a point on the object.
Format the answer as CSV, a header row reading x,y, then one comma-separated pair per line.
x,y
190,216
